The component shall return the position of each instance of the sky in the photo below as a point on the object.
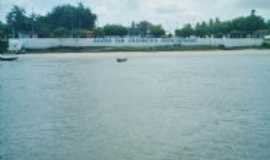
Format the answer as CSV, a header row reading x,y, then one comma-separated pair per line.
x,y
170,13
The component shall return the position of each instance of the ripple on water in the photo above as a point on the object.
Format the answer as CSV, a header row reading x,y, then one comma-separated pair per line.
x,y
191,106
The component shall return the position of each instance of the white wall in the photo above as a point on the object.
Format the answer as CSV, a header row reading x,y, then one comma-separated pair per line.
x,y
14,44
45,43
227,42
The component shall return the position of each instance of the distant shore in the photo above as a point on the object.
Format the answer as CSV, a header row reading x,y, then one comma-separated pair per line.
x,y
137,49
141,54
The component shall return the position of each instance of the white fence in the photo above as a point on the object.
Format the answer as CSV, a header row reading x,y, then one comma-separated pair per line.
x,y
226,42
45,43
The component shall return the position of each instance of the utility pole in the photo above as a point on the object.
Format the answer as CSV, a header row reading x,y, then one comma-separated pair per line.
x,y
32,22
78,18
79,21
13,28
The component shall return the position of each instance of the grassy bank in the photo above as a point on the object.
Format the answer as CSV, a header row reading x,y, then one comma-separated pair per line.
x,y
140,49
127,49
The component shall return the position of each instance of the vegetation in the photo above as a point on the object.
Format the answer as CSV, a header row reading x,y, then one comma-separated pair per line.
x,y
268,24
3,30
3,37
80,21
122,49
65,20
115,30
142,29
249,26
186,31
157,31
145,28
72,21
18,21
3,45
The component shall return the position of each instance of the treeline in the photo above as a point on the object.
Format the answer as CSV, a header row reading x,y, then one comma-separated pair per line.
x,y
72,21
66,20
3,37
241,27
142,29
80,21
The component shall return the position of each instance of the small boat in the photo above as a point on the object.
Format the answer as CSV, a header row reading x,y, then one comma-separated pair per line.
x,y
120,60
8,58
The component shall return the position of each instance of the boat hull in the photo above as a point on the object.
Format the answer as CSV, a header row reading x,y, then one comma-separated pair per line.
x,y
119,60
8,58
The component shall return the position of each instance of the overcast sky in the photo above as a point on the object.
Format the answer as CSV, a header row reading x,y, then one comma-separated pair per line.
x,y
169,13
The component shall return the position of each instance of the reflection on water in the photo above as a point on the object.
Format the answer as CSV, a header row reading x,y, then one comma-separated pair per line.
x,y
161,108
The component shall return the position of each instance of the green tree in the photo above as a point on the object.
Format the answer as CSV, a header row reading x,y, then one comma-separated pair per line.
x,y
71,17
248,25
169,35
3,30
3,37
254,22
3,45
133,30
240,26
85,18
201,29
268,24
157,31
186,31
18,20
42,26
62,16
211,27
99,32
61,32
144,28
115,30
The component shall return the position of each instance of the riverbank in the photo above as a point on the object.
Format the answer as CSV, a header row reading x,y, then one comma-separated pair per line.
x,y
132,55
139,49
118,49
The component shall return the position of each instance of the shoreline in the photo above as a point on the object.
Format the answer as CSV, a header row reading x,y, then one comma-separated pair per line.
x,y
140,54
140,49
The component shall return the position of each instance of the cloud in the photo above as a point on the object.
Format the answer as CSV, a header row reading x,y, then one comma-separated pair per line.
x,y
259,4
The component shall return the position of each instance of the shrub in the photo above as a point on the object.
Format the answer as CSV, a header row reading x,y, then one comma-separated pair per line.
x,y
266,45
3,45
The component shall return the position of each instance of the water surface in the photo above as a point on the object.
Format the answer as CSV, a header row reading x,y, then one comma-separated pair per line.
x,y
186,106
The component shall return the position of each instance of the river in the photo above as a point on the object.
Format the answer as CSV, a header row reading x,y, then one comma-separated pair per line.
x,y
211,105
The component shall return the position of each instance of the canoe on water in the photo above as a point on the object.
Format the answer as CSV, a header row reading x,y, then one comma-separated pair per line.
x,y
119,60
8,58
